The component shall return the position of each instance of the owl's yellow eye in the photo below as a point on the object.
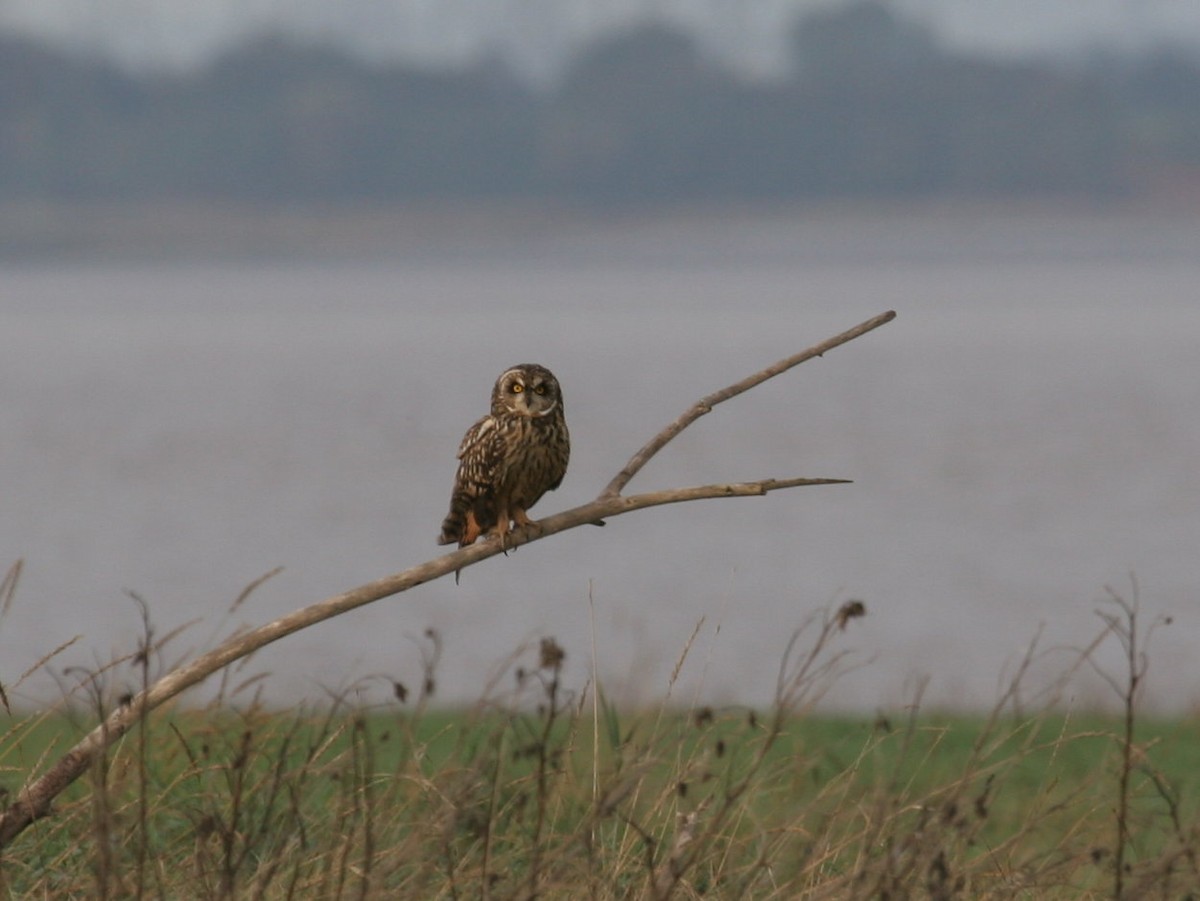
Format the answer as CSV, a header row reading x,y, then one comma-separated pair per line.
x,y
540,389
517,388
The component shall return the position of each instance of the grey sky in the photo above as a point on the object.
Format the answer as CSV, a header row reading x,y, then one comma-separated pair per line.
x,y
538,35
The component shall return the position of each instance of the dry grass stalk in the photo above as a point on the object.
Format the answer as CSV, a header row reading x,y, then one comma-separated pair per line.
x,y
500,801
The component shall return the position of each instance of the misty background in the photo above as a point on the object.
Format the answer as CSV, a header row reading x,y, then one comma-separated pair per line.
x,y
261,262
861,100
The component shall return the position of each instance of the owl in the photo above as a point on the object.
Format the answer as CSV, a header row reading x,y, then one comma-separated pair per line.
x,y
510,458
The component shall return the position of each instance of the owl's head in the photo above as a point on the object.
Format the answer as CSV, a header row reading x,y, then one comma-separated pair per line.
x,y
527,390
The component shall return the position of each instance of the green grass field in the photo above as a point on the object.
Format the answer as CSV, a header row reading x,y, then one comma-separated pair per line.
x,y
551,793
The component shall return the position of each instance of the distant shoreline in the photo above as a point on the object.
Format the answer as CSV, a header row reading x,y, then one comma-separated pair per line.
x,y
182,230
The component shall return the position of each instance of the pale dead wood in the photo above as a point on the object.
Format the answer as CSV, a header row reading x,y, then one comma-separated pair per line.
x,y
705,404
35,798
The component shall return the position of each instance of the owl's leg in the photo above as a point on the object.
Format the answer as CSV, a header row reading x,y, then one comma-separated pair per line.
x,y
522,520
502,523
470,530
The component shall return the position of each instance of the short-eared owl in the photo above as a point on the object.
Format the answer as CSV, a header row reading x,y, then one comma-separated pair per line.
x,y
510,458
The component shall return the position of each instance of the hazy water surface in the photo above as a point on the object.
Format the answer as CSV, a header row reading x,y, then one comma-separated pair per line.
x,y
1026,432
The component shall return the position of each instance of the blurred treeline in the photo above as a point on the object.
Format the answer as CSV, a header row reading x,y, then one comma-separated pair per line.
x,y
873,105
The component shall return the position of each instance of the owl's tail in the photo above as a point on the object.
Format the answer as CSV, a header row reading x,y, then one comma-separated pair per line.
x,y
460,525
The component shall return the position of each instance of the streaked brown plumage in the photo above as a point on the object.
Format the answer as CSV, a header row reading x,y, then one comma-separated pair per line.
x,y
510,458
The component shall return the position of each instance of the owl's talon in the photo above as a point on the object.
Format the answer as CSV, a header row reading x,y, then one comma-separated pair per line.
x,y
502,539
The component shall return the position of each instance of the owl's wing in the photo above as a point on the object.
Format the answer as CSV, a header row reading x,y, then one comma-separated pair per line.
x,y
477,436
563,444
470,508
478,456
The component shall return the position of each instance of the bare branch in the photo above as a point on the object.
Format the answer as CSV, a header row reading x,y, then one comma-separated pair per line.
x,y
705,404
35,798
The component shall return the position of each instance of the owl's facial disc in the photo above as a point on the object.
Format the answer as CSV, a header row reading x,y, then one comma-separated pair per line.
x,y
528,392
